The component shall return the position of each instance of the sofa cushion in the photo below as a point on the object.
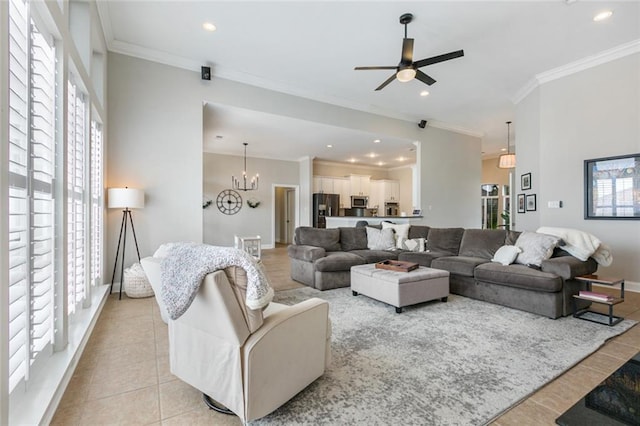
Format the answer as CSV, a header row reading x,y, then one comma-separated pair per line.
x,y
506,255
414,244
328,239
519,276
375,256
338,261
306,253
421,258
419,231
353,238
460,265
446,240
380,239
481,242
569,267
535,247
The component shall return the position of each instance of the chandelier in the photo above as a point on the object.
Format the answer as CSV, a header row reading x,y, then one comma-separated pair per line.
x,y
253,183
508,160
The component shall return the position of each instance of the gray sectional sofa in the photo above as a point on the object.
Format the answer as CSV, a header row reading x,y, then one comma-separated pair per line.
x,y
322,258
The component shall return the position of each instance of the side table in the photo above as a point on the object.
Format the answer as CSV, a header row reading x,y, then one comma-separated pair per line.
x,y
251,245
589,315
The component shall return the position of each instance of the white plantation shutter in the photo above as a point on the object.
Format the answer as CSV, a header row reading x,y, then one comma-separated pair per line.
x,y
96,202
31,211
77,220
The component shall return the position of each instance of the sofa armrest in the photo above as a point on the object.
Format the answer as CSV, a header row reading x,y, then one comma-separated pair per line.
x,y
306,253
569,267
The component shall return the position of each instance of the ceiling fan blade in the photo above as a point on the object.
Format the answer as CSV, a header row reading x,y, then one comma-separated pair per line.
x,y
407,51
390,67
440,58
387,81
424,78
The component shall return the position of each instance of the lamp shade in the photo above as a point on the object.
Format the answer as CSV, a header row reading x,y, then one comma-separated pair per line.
x,y
507,161
125,198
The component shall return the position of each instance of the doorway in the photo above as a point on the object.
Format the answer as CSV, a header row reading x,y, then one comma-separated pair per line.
x,y
285,213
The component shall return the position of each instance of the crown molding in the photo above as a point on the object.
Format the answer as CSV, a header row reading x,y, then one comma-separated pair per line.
x,y
456,129
359,166
105,20
603,57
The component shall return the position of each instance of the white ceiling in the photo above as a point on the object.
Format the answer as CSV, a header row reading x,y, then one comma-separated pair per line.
x,y
309,49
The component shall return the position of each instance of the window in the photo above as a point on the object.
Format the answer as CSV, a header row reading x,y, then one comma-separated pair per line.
x,y
31,203
96,202
76,214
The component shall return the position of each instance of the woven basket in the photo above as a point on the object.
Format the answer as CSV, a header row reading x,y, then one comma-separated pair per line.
x,y
136,284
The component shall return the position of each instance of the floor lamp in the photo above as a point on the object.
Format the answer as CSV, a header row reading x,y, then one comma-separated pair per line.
x,y
126,199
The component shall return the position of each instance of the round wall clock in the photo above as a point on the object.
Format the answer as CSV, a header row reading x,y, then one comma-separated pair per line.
x,y
229,201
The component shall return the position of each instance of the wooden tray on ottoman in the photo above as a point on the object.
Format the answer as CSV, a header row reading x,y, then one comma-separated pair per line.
x,y
397,265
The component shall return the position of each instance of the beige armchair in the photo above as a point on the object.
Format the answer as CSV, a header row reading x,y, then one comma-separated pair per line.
x,y
251,362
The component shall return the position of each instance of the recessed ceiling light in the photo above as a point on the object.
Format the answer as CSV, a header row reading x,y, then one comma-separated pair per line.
x,y
401,159
424,93
209,26
352,160
603,15
372,155
329,146
503,149
376,141
380,163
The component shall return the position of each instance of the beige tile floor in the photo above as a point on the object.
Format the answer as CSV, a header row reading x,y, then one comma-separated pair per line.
x,y
123,376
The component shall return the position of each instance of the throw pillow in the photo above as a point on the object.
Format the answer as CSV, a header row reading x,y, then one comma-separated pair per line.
x,y
402,231
506,254
380,239
535,247
414,244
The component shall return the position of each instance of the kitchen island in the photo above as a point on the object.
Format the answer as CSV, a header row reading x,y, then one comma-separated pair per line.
x,y
347,221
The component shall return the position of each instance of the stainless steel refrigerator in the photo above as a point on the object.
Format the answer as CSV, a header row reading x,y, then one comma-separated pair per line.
x,y
324,205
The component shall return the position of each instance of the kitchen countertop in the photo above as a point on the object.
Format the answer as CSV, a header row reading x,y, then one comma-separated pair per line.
x,y
338,221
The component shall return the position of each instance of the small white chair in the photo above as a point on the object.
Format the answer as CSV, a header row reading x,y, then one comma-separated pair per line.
x,y
251,245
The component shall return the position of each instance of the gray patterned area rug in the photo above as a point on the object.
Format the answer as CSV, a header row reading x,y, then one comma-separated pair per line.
x,y
457,363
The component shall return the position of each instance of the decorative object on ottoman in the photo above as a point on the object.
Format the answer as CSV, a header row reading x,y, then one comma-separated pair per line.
x,y
397,265
136,284
400,289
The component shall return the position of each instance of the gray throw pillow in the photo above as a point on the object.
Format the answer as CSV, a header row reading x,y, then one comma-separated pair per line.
x,y
535,247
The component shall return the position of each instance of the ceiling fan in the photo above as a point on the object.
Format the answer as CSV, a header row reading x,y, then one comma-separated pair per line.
x,y
407,70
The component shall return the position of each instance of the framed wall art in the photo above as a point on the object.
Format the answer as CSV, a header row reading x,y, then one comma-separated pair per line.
x,y
531,202
525,181
521,204
612,187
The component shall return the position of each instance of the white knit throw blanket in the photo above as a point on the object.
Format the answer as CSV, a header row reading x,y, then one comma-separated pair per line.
x,y
186,265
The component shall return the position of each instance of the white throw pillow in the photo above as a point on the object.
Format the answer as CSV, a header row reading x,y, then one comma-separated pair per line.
x,y
380,239
415,244
535,247
402,231
506,254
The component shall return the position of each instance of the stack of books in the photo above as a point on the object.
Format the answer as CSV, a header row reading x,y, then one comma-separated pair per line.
x,y
601,297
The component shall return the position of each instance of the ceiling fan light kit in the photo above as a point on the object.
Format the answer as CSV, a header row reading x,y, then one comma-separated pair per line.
x,y
407,69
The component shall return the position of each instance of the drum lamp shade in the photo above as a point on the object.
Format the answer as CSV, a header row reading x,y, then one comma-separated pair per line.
x,y
128,198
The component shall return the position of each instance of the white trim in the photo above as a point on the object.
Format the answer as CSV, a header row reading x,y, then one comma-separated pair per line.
x,y
603,57
631,286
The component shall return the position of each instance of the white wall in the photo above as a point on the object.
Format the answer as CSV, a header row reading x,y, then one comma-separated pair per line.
x,y
591,114
220,228
450,174
527,129
155,143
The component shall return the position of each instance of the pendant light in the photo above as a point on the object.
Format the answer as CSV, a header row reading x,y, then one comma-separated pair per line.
x,y
508,160
253,184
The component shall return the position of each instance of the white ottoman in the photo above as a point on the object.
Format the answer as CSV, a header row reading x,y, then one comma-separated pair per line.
x,y
400,288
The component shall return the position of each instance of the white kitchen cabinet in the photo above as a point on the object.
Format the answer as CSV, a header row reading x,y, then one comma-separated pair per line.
x,y
376,195
342,186
391,191
360,184
323,184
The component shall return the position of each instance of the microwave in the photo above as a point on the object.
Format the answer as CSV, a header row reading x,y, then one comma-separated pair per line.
x,y
359,201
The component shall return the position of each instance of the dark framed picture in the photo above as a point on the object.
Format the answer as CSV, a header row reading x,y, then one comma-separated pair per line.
x,y
525,181
612,187
521,205
531,202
